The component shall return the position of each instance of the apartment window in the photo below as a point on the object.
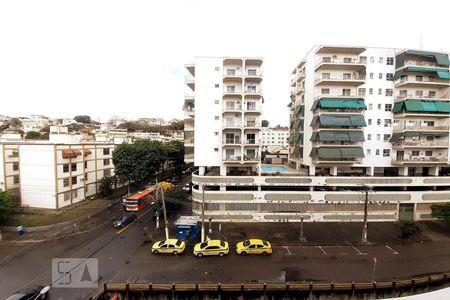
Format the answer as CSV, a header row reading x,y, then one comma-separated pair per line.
x,y
380,75
377,152
65,168
347,76
74,180
231,72
415,153
403,93
217,69
361,92
380,91
16,179
217,86
86,176
107,172
390,61
251,72
325,91
105,151
216,149
378,137
370,106
251,105
231,88
369,137
368,152
73,167
216,117
387,107
346,92
386,152
15,153
106,162
389,77
389,92
15,166
381,60
370,91
74,194
387,122
369,122
372,59
66,182
216,133
428,153
419,93
419,78
386,137
85,164
216,101
66,196
363,59
430,138
371,75
431,94
379,106
378,121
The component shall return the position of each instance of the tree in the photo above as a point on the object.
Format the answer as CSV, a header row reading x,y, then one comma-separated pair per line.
x,y
32,135
45,129
409,229
6,205
176,125
175,154
15,123
105,186
139,161
177,193
442,212
74,127
265,123
82,119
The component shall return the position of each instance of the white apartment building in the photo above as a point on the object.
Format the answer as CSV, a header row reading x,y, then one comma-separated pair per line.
x,y
45,175
274,138
227,96
34,123
361,118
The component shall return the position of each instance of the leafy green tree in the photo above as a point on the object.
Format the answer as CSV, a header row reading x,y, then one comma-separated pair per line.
x,y
265,123
45,136
177,193
82,119
442,212
175,154
74,127
15,123
105,186
32,135
45,129
139,161
6,205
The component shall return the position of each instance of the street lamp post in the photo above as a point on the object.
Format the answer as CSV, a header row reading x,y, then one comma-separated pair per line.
x,y
302,217
203,214
160,189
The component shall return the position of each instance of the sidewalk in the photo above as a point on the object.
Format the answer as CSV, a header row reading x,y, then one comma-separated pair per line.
x,y
328,234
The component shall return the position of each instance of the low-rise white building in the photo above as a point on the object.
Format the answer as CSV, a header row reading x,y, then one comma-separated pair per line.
x,y
34,123
47,175
274,138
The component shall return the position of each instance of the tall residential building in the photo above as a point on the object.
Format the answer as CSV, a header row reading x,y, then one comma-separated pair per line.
x,y
46,175
227,96
274,138
367,124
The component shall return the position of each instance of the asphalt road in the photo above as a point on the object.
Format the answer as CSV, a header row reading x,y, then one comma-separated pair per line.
x,y
124,256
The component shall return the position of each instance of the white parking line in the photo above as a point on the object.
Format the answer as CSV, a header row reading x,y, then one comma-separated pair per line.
x,y
393,251
287,249
320,247
356,249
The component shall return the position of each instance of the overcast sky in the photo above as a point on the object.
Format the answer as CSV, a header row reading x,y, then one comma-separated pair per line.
x,y
126,58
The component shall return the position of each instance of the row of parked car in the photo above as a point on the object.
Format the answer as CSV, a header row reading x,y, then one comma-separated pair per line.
x,y
213,247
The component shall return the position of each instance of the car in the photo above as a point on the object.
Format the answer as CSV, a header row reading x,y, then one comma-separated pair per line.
x,y
211,247
125,220
254,246
170,246
39,293
187,187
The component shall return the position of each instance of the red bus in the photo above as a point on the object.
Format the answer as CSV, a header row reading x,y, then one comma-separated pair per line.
x,y
139,200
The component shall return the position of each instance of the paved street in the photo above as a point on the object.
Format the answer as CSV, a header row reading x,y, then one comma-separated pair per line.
x,y
124,256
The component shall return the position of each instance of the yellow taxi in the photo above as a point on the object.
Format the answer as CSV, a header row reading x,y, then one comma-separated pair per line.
x,y
211,247
254,246
170,246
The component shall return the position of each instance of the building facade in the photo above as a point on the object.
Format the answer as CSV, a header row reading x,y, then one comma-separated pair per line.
x,y
274,138
361,119
228,105
52,176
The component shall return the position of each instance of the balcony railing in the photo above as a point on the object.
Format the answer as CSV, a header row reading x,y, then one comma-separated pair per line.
x,y
422,80
251,142
252,91
232,124
340,60
421,144
232,158
339,94
251,124
232,91
232,74
232,108
188,141
421,158
421,63
235,141
426,96
341,78
421,128
250,157
253,74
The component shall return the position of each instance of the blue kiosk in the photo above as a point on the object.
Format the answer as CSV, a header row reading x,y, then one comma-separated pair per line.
x,y
188,227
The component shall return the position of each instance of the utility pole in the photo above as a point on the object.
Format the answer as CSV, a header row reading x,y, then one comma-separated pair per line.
x,y
302,217
160,189
366,202
203,214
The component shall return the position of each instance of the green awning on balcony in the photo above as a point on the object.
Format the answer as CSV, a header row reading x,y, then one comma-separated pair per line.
x,y
327,136
396,136
443,74
342,120
440,58
329,153
418,105
358,120
341,137
356,136
352,152
340,103
300,139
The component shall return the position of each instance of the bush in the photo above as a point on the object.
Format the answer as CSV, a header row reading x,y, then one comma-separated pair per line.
x,y
410,229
